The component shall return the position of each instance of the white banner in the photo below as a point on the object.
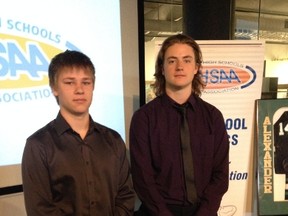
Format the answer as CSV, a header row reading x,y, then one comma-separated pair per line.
x,y
233,71
31,33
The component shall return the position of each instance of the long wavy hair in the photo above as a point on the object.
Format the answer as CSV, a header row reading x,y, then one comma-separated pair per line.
x,y
159,85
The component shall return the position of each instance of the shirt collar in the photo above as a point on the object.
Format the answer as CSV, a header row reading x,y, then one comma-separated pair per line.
x,y
169,101
61,125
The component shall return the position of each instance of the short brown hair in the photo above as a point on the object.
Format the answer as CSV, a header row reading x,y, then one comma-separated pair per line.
x,y
68,59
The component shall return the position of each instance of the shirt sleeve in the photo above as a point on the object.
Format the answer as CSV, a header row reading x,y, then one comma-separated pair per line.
x,y
36,184
141,165
125,199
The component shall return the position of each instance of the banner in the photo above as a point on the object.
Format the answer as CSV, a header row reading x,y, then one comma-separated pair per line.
x,y
233,72
272,156
31,33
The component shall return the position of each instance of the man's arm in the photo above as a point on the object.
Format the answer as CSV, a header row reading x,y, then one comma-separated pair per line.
x,y
36,184
141,168
125,199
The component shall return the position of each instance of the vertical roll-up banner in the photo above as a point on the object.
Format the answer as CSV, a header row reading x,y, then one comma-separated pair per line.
x,y
233,72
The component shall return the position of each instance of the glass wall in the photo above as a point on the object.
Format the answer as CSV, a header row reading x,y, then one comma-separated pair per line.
x,y
254,20
267,20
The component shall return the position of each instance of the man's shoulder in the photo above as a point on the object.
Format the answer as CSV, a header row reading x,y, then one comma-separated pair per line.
x,y
111,136
105,130
208,109
151,105
42,132
203,103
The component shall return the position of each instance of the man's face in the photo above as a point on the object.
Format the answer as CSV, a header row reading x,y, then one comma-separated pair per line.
x,y
74,89
179,67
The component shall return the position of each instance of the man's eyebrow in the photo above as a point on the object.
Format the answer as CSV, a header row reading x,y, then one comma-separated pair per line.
x,y
171,57
188,56
73,78
184,57
68,78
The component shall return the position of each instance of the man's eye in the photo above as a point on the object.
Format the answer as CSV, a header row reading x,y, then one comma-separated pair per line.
x,y
68,82
87,83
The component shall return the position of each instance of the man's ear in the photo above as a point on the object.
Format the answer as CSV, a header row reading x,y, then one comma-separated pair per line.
x,y
54,91
196,69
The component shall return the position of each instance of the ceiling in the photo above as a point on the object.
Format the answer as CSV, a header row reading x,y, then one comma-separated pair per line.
x,y
164,17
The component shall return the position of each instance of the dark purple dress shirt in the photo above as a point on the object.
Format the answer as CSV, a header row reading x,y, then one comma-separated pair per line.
x,y
66,175
156,155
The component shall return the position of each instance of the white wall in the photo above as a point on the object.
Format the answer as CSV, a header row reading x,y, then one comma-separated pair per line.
x,y
129,27
13,205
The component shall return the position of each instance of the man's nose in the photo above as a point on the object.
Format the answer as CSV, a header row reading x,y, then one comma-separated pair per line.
x,y
179,65
79,88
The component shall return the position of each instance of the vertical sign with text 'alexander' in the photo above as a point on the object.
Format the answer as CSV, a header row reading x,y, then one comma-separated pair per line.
x,y
272,156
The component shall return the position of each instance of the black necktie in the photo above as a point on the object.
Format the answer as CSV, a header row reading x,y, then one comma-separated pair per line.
x,y
187,156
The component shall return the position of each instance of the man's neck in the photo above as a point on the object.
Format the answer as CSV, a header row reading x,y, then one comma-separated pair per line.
x,y
79,123
179,96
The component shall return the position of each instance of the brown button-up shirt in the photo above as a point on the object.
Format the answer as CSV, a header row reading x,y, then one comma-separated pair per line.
x,y
66,175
